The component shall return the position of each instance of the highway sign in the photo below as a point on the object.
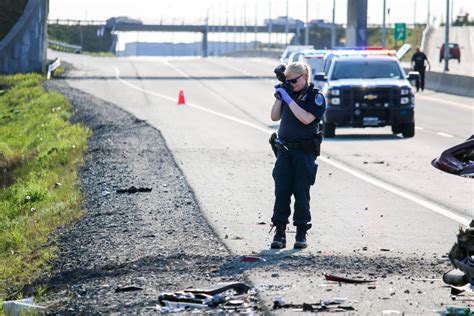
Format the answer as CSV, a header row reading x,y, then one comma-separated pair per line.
x,y
400,31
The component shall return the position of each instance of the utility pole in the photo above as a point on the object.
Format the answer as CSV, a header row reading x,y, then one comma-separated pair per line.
x,y
287,23
269,23
333,28
414,15
428,17
306,30
383,24
255,27
446,39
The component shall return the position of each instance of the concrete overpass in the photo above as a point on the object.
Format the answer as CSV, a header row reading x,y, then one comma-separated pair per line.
x,y
24,48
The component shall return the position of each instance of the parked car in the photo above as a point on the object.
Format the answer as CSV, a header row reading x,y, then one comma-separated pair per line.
x,y
454,52
283,20
320,23
290,49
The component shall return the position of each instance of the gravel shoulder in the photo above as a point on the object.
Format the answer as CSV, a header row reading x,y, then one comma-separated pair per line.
x,y
158,241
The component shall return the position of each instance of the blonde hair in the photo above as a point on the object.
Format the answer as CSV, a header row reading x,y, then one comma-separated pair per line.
x,y
298,68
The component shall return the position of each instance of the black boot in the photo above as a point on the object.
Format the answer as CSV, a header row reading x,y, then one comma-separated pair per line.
x,y
279,240
301,231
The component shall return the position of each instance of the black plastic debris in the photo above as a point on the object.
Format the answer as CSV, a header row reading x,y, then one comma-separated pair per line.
x,y
336,278
128,289
252,259
330,305
134,189
229,297
238,287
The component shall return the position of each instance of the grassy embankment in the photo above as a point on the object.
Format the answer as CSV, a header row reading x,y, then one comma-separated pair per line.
x,y
40,152
414,37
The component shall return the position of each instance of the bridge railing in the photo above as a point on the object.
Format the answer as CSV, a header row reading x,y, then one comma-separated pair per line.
x,y
75,22
64,47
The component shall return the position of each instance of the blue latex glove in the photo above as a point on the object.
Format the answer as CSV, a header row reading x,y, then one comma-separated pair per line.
x,y
284,95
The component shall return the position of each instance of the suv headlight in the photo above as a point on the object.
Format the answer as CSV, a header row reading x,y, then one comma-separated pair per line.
x,y
405,100
405,91
335,101
334,92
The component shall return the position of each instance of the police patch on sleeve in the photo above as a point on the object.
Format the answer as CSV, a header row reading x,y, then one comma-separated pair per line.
x,y
319,99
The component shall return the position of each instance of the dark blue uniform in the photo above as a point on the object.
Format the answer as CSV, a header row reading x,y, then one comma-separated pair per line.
x,y
295,169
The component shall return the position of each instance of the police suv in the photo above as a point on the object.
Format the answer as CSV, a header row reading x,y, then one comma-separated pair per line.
x,y
368,91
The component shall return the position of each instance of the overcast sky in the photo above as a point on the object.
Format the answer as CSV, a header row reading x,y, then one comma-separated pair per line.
x,y
194,11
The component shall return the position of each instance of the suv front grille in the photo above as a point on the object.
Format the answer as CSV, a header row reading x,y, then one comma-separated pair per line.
x,y
370,97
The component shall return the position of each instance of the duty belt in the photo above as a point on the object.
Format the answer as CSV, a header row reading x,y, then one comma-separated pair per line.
x,y
307,144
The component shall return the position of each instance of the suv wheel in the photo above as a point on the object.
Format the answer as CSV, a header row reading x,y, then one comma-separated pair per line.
x,y
408,130
329,129
396,129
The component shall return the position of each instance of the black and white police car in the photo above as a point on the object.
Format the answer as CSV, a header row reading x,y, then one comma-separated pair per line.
x,y
368,91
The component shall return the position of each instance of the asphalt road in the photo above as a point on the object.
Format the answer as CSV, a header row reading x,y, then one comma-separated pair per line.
x,y
373,189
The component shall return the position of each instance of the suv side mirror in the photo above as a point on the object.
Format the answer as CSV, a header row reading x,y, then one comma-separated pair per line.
x,y
413,75
320,76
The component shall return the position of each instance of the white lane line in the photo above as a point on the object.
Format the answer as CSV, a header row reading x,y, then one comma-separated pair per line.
x,y
231,118
419,128
372,180
174,67
444,134
443,101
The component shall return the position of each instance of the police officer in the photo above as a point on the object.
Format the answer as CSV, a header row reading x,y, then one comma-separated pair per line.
x,y
418,64
299,110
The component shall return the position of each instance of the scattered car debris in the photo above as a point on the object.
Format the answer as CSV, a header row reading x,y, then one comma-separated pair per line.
x,y
336,278
252,259
105,193
460,257
457,160
229,297
134,189
128,289
329,305
238,287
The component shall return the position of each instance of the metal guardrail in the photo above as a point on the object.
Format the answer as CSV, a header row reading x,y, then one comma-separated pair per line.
x,y
51,67
75,22
64,47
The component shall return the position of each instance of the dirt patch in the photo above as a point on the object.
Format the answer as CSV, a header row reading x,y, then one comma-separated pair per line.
x,y
7,168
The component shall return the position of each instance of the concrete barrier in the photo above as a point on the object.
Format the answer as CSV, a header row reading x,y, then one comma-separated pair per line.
x,y
24,48
448,83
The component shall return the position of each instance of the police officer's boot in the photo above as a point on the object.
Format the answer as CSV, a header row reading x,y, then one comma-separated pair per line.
x,y
279,240
300,240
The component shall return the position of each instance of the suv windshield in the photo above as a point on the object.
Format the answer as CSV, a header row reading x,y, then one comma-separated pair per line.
x,y
366,69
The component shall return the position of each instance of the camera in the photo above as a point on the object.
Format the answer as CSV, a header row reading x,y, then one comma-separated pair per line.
x,y
280,75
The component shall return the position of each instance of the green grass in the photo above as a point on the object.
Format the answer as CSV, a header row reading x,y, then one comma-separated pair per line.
x,y
40,152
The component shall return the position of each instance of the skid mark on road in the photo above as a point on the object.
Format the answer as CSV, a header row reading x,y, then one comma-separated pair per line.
x,y
331,161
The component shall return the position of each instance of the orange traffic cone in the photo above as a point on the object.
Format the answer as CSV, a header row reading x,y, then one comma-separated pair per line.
x,y
181,97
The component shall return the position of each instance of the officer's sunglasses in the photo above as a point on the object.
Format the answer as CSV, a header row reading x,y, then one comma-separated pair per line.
x,y
294,80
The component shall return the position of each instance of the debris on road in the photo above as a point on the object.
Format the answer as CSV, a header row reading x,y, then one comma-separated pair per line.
x,y
134,189
252,259
336,278
329,305
128,289
231,297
